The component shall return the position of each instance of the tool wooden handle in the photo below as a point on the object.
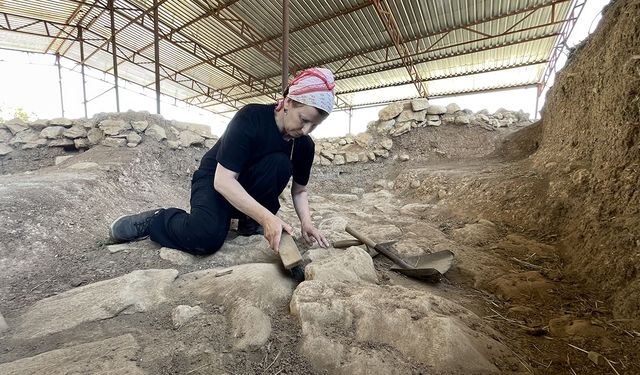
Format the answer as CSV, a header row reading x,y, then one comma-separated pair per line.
x,y
289,253
384,251
367,241
343,244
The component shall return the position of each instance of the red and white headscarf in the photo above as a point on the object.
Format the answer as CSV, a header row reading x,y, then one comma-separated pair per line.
x,y
313,87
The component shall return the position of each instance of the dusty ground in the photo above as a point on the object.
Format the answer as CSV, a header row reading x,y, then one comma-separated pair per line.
x,y
512,278
533,316
543,224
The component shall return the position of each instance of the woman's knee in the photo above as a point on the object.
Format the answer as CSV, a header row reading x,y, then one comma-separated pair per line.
x,y
206,245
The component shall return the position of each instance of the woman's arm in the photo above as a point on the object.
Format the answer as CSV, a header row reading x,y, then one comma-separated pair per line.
x,y
226,183
301,204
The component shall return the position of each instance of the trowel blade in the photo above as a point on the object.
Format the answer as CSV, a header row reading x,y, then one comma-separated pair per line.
x,y
440,262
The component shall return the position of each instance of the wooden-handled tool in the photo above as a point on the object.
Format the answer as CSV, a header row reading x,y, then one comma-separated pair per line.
x,y
428,267
289,253
382,249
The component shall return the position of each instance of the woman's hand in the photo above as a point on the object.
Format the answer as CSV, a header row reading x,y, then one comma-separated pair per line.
x,y
273,227
311,234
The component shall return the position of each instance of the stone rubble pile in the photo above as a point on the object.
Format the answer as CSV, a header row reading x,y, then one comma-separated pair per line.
x,y
113,130
131,128
400,118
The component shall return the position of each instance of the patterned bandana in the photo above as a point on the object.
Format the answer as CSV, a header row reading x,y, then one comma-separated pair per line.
x,y
313,87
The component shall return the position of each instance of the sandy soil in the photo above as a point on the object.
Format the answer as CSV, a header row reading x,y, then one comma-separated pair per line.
x,y
527,213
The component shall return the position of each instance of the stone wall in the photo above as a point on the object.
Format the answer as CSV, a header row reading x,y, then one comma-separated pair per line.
x,y
131,128
108,129
400,118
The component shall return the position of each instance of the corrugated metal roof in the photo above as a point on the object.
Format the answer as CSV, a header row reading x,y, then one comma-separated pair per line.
x,y
228,51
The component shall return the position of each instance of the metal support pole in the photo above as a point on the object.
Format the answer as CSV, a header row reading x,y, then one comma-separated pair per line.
x,y
84,84
390,23
60,82
285,44
115,58
350,116
156,42
538,93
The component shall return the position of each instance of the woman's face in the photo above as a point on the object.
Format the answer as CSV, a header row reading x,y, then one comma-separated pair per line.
x,y
300,119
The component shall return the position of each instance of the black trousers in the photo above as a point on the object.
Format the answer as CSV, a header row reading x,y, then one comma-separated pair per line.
x,y
204,229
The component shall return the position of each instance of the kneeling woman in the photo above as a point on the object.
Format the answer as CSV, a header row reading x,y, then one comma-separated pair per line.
x,y
243,174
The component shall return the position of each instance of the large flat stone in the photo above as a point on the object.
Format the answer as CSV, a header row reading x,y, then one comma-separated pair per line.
x,y
347,327
350,265
177,257
111,356
390,111
243,250
250,294
4,150
137,291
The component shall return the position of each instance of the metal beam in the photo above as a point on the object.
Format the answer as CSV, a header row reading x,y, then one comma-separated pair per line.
x,y
210,57
301,27
396,63
285,44
246,32
386,48
156,40
48,27
131,22
435,78
420,57
453,93
60,83
84,81
561,43
185,81
88,26
208,13
71,17
113,53
389,21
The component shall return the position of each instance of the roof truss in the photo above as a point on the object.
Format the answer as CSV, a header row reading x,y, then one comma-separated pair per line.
x,y
212,69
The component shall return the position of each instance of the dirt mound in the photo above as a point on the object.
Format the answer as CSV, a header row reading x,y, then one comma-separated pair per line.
x,y
591,147
54,219
574,176
520,144
451,142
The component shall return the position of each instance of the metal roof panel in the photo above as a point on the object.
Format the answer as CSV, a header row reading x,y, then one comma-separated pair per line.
x,y
220,44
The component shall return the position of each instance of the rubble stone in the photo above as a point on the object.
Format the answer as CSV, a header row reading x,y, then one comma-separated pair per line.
x,y
52,132
390,111
419,104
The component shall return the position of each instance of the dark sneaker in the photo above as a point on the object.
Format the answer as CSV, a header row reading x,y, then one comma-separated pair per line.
x,y
132,227
249,227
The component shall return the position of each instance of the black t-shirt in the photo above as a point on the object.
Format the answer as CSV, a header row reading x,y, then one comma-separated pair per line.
x,y
252,134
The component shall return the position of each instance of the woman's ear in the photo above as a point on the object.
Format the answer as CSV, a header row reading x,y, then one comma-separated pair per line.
x,y
287,104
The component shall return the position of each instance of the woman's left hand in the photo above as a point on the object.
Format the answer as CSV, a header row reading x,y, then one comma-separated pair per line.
x,y
311,234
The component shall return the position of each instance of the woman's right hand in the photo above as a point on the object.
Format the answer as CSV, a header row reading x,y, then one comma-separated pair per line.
x,y
273,227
